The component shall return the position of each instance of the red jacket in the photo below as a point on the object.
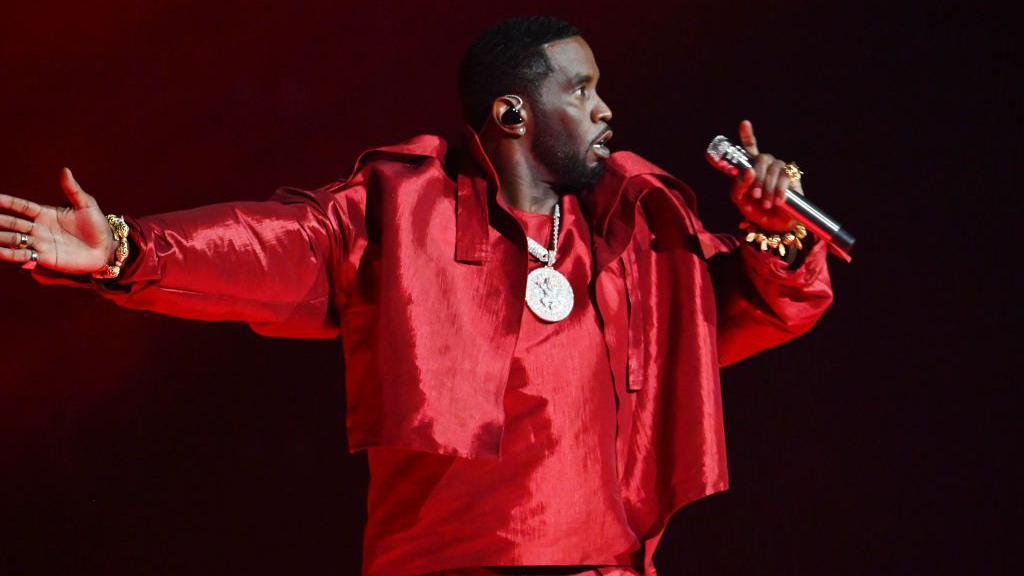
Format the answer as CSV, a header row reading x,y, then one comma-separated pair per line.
x,y
422,274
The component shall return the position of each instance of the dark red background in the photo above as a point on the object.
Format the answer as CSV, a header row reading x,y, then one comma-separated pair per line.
x,y
884,442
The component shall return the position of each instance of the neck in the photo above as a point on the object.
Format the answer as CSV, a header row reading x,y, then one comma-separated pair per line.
x,y
520,176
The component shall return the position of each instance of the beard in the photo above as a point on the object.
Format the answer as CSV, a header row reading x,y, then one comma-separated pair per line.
x,y
561,156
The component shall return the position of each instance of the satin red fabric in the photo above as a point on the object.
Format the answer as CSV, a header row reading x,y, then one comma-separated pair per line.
x,y
553,498
420,270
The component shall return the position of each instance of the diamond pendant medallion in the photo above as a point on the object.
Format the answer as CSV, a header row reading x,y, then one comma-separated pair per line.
x,y
549,294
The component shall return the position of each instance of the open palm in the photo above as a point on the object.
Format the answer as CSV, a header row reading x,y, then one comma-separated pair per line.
x,y
73,240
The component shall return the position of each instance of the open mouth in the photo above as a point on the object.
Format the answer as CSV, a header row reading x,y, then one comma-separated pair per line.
x,y
600,146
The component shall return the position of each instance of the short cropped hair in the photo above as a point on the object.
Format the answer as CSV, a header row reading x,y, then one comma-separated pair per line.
x,y
508,58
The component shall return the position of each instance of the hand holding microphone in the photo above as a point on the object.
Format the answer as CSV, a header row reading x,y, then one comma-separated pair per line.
x,y
768,191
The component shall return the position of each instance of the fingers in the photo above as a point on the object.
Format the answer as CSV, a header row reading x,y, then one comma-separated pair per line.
x,y
18,255
74,192
14,239
781,187
741,190
761,164
770,181
727,168
16,224
771,184
747,137
20,206
17,247
764,188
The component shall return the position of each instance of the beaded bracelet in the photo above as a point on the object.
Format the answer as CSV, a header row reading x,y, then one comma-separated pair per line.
x,y
789,241
119,228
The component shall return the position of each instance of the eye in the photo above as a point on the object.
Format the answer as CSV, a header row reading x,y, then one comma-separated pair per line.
x,y
582,91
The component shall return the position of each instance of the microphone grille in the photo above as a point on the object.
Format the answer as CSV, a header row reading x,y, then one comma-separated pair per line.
x,y
718,147
721,148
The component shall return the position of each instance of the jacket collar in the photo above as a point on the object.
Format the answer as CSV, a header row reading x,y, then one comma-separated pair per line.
x,y
477,183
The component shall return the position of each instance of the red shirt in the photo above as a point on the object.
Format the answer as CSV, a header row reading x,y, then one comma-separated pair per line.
x,y
421,272
553,497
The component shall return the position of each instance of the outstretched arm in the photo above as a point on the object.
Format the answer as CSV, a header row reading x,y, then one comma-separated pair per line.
x,y
270,264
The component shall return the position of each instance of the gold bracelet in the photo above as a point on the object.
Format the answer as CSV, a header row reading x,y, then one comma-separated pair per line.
x,y
779,242
119,228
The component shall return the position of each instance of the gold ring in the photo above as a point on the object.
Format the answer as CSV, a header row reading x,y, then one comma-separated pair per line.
x,y
793,171
23,241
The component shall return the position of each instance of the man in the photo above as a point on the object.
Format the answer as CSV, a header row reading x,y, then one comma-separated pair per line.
x,y
551,432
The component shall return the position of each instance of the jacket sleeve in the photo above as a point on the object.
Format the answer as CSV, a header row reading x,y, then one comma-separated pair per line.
x,y
276,265
762,303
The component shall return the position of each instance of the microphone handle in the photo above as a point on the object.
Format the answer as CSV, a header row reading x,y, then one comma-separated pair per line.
x,y
840,241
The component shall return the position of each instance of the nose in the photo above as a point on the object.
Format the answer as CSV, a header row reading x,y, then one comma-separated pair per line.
x,y
601,112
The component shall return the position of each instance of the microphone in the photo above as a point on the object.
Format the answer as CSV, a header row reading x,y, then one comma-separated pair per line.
x,y
840,242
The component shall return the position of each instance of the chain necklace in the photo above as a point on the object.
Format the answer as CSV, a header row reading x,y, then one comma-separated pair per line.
x,y
548,292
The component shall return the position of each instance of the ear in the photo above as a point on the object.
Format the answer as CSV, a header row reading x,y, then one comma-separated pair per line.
x,y
509,115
